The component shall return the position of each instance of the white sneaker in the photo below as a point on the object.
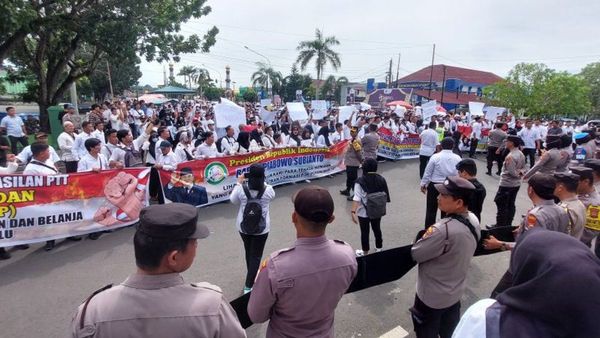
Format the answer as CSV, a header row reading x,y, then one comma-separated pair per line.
x,y
378,249
360,253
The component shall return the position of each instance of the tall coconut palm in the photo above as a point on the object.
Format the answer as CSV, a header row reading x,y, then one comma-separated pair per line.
x,y
331,86
321,50
187,72
201,77
265,75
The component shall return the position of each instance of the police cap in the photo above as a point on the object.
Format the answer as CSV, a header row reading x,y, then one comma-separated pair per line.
x,y
455,186
516,140
593,164
584,173
567,178
171,221
543,185
314,203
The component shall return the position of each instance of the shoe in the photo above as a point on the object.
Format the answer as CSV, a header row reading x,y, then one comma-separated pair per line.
x,y
350,198
247,289
359,253
74,238
345,192
489,173
4,254
94,236
498,173
378,249
22,247
490,226
307,181
49,245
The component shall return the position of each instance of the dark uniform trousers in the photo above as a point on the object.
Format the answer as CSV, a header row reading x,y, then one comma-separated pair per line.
x,y
474,143
15,140
505,203
433,323
351,176
432,205
423,160
529,154
491,157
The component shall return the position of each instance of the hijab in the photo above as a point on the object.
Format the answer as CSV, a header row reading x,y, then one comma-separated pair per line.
x,y
243,139
555,290
256,136
295,137
371,181
325,132
256,176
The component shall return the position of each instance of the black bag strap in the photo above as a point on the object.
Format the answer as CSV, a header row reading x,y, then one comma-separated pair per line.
x,y
249,196
87,302
466,222
36,162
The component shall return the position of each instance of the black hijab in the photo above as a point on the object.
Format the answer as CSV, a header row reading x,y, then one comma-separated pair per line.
x,y
555,291
371,181
243,139
294,137
256,136
325,132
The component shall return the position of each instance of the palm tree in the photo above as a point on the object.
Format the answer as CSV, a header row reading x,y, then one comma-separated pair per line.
x,y
201,77
331,86
320,49
187,72
266,74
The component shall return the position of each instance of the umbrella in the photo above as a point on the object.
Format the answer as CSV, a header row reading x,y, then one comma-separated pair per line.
x,y
441,109
399,103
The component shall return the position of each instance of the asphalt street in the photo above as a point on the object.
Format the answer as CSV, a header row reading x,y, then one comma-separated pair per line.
x,y
39,291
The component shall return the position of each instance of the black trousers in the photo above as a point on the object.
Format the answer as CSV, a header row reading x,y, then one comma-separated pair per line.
x,y
433,323
505,203
351,176
504,283
366,224
423,160
474,143
529,154
254,246
71,166
13,143
491,157
432,205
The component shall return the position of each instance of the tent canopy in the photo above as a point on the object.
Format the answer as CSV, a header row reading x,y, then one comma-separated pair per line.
x,y
173,90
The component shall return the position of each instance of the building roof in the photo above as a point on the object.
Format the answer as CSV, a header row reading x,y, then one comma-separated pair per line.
x,y
464,74
173,90
449,97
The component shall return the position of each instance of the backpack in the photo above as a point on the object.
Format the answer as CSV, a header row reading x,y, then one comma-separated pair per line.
x,y
252,215
376,204
219,142
133,158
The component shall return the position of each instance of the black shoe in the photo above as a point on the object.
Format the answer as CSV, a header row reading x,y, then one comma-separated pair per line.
x,y
345,192
490,226
22,247
4,254
74,238
94,236
489,173
49,245
350,198
498,173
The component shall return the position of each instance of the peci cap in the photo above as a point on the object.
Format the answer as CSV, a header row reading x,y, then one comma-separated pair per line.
x,y
171,221
41,135
567,178
314,203
455,186
516,140
165,144
583,172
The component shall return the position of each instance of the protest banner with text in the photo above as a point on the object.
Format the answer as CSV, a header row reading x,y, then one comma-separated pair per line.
x,y
398,147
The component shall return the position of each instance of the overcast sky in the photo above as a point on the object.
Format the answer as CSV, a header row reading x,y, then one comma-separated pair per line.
x,y
487,35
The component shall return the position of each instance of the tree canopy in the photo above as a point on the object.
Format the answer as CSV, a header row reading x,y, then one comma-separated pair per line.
x,y
266,75
591,75
319,49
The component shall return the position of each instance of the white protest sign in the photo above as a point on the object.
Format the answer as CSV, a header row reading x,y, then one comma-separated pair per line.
x,y
319,108
492,113
476,108
228,113
265,102
297,111
345,112
429,109
267,116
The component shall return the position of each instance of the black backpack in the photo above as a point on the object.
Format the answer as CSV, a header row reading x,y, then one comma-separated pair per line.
x,y
219,142
376,203
252,216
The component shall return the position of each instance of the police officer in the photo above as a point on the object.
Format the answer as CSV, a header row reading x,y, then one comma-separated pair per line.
x,y
594,164
591,199
299,288
566,192
155,301
510,182
550,160
496,140
444,254
545,214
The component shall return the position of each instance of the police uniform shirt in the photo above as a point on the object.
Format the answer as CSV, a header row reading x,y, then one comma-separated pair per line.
x,y
158,306
577,215
547,215
299,288
444,254
547,164
496,138
592,221
512,169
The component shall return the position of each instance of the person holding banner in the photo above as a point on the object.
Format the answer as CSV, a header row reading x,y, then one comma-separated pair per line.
x,y
352,159
93,160
208,148
295,139
229,145
184,149
128,152
323,138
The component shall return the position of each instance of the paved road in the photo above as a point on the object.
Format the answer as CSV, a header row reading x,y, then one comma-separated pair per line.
x,y
39,290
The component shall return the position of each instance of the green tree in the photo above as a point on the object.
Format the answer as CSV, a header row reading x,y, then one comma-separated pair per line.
x,y
125,73
591,74
214,93
295,81
265,75
201,78
187,72
564,95
62,41
319,49
250,95
332,87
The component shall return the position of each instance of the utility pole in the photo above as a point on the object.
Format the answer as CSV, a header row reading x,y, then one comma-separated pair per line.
x,y
431,73
112,95
398,69
443,85
390,75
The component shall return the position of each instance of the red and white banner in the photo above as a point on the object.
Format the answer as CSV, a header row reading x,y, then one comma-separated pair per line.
x,y
40,208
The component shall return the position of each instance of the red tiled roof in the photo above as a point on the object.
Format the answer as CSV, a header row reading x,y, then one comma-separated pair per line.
x,y
467,75
449,97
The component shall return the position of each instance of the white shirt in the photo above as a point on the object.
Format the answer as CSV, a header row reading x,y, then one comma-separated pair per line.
x,y
106,116
321,141
181,149
336,137
169,161
13,125
541,129
268,141
116,123
157,151
88,162
476,130
360,196
473,322
65,144
26,155
347,135
440,166
99,135
107,149
79,150
529,136
37,168
239,197
429,141
205,150
229,145
9,169
118,153
306,143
